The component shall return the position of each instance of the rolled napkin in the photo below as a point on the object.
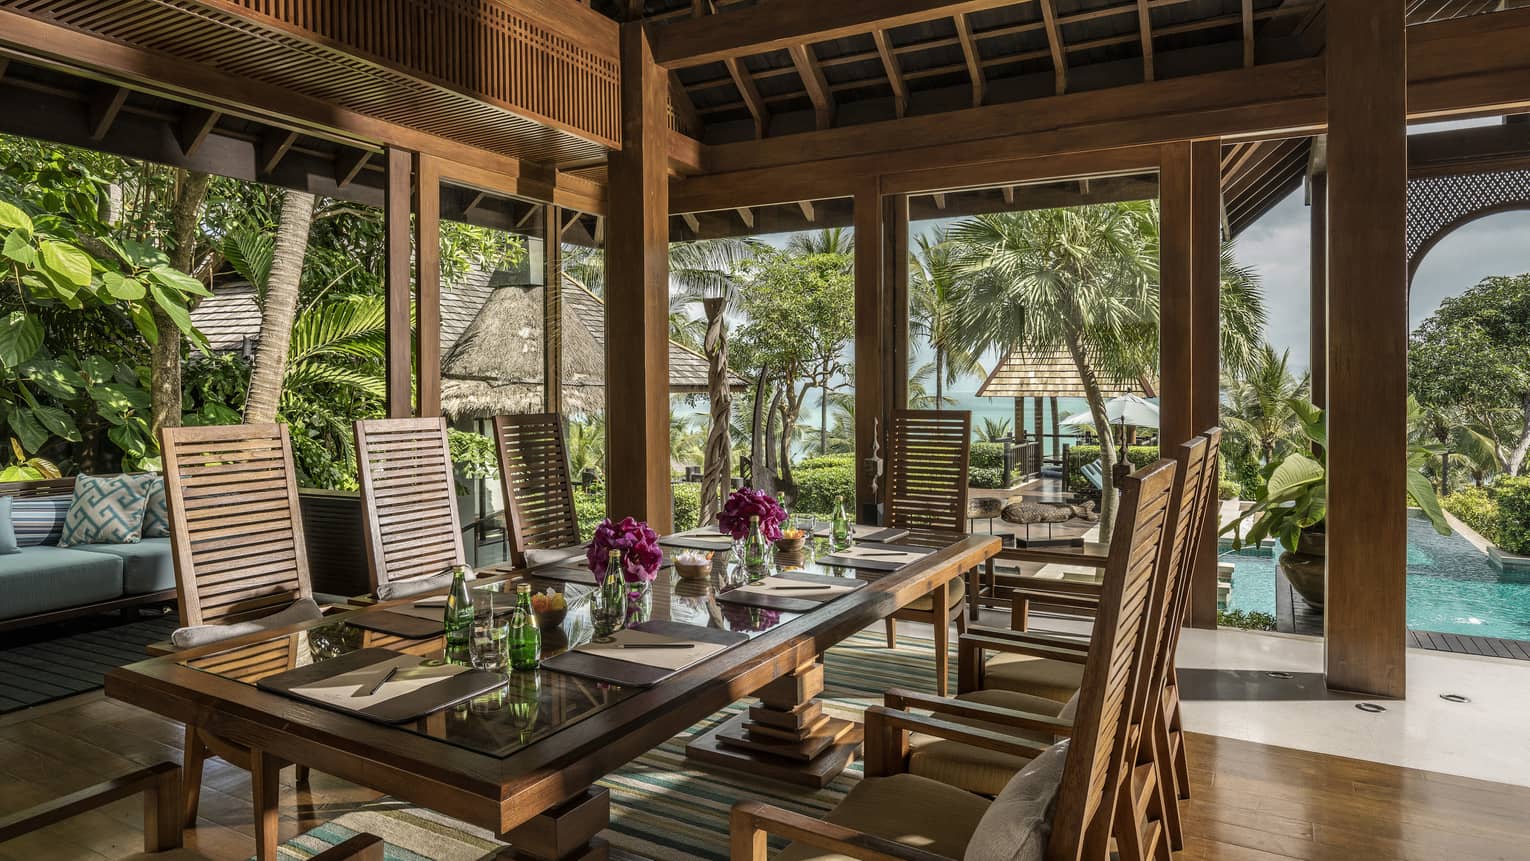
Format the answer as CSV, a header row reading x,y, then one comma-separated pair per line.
x,y
413,586
301,610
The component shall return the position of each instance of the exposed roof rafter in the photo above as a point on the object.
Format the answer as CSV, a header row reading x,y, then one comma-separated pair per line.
x,y
973,57
1055,43
894,72
1145,32
814,83
1248,32
750,94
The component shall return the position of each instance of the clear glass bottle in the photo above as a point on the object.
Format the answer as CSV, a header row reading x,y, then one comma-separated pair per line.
x,y
839,533
458,619
610,603
756,549
525,640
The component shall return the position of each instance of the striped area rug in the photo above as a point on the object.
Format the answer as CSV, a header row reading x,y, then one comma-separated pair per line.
x,y
663,807
74,659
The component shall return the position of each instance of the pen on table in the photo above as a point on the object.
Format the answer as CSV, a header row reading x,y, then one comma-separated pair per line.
x,y
657,646
392,671
799,588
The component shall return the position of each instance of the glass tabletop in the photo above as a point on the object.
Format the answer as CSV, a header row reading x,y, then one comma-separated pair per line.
x,y
532,705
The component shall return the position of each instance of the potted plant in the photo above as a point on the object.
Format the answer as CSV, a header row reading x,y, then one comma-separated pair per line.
x,y
1292,507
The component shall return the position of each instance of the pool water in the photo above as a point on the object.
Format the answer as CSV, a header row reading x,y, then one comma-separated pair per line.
x,y
1452,587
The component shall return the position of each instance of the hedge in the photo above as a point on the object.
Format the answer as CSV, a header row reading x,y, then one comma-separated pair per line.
x,y
1229,489
987,455
823,460
817,487
988,477
1513,522
1475,507
1139,455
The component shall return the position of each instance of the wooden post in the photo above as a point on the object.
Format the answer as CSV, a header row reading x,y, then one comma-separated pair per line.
x,y
895,265
1365,614
1175,300
552,308
398,278
1205,353
1318,347
427,314
637,294
870,423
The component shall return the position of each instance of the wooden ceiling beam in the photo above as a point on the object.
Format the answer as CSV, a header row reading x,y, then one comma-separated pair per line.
x,y
347,169
746,215
685,109
691,221
973,57
813,81
1145,33
192,130
750,94
894,72
1248,32
102,108
782,23
807,210
1055,43
274,147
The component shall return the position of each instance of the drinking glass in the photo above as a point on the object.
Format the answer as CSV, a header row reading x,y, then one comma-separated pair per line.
x,y
490,634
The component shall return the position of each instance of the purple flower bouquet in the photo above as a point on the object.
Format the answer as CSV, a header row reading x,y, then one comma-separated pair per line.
x,y
639,544
746,502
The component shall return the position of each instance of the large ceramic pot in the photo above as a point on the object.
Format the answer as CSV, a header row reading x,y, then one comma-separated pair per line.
x,y
1304,567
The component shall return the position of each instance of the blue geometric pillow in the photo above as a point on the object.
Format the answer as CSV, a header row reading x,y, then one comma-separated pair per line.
x,y
106,510
156,515
39,520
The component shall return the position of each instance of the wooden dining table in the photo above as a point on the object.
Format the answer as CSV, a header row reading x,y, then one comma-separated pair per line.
x,y
523,760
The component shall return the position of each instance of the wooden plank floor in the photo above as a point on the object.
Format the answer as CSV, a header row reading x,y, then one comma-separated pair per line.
x,y
1251,802
1465,644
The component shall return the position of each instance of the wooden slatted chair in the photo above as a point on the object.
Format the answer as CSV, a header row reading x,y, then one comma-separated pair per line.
x,y
926,490
539,493
979,770
240,561
408,505
1032,671
895,815
162,834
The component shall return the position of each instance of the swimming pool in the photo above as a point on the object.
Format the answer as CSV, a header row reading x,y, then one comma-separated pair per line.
x,y
1452,587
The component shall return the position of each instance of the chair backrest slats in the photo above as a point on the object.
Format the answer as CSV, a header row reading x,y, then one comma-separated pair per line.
x,y
408,498
1115,668
928,453
235,524
539,493
1205,510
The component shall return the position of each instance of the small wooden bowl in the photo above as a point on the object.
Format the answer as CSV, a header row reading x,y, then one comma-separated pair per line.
x,y
694,572
551,618
792,546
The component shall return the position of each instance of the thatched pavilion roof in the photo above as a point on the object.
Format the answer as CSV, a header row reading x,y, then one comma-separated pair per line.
x,y
1028,374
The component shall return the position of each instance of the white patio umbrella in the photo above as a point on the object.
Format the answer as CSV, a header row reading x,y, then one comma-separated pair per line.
x,y
1123,410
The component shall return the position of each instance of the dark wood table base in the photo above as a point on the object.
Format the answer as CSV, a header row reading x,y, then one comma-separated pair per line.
x,y
566,832
787,736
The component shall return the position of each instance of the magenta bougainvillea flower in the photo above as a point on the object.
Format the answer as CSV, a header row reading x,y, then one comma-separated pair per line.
x,y
746,502
639,544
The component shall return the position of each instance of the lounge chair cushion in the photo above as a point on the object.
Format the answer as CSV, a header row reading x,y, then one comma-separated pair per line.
x,y
1018,824
107,509
412,586
8,543
553,555
147,566
914,811
301,610
1042,677
43,579
955,593
973,768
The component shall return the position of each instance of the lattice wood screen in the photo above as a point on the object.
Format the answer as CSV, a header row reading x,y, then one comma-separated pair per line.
x,y
1439,204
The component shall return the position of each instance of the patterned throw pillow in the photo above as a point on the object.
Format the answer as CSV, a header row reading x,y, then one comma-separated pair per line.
x,y
7,529
39,520
106,510
156,515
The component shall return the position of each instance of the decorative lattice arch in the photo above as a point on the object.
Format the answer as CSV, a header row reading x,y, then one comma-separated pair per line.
x,y
1437,205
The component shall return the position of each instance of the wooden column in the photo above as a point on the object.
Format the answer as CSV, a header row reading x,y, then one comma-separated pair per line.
x,y
552,308
870,425
427,314
1318,337
895,245
1365,612
1175,300
398,278
1205,353
637,294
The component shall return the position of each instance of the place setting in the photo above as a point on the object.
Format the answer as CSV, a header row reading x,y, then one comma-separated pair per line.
x,y
645,653
383,685
875,556
792,592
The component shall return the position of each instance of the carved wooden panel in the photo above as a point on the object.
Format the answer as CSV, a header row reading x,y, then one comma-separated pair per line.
x,y
1438,205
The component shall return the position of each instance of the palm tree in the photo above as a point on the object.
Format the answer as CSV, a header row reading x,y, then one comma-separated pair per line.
x,y
1256,409
1445,431
936,291
587,444
993,431
1242,312
834,240
1082,279
279,307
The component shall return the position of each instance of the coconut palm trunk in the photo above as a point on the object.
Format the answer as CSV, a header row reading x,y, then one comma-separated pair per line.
x,y
1096,400
165,357
717,462
279,310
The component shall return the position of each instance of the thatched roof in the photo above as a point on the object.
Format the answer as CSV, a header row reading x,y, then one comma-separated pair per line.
x,y
1026,374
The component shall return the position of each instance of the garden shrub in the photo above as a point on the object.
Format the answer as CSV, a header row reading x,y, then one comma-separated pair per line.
x,y
1229,489
823,460
817,487
987,455
590,508
1475,507
1139,455
987,477
687,506
1246,621
1513,524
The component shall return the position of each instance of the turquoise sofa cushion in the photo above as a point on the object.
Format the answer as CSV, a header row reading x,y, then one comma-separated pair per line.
x,y
43,579
7,528
147,566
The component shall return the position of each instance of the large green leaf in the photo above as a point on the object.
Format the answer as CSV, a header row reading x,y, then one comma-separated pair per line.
x,y
170,303
58,422
1297,471
53,377
20,338
250,253
12,218
27,428
174,279
18,247
1421,490
123,287
311,372
66,263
